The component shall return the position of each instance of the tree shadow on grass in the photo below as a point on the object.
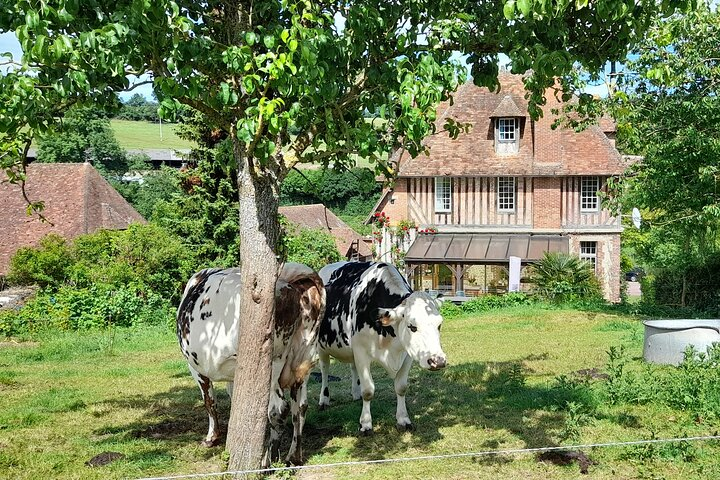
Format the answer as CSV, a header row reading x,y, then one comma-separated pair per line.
x,y
489,396
492,397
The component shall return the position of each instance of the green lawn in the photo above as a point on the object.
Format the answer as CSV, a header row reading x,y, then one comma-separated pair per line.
x,y
72,396
134,135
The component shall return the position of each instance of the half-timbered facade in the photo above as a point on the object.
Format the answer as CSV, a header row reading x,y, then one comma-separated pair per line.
x,y
510,181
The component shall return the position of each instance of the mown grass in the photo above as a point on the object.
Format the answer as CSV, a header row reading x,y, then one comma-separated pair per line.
x,y
135,135
511,378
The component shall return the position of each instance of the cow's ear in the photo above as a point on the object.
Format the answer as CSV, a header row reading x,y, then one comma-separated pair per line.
x,y
384,317
440,299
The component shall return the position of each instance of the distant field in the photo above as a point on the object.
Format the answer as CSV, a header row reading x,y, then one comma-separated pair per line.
x,y
132,135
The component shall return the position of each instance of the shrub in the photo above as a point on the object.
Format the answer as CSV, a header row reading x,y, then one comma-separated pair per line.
x,y
561,277
693,386
48,264
107,278
485,303
313,247
97,306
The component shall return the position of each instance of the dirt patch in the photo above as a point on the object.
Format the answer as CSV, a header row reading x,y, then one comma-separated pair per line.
x,y
167,429
104,458
10,344
592,374
567,457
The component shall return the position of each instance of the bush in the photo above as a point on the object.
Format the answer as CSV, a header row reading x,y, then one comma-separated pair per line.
x,y
695,286
107,278
48,264
97,306
485,303
561,277
313,247
693,386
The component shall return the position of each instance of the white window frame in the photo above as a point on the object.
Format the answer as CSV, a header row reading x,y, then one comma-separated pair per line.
x,y
507,135
506,194
589,200
443,194
588,252
507,129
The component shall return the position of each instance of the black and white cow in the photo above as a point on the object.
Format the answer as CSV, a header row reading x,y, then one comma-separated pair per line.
x,y
373,315
207,329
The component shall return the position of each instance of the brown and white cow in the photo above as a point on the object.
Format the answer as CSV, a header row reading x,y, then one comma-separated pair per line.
x,y
207,329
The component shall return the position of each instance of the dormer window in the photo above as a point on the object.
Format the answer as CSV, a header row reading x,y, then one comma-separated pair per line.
x,y
507,135
506,129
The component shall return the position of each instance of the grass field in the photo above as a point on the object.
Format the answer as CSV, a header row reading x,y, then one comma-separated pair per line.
x,y
72,396
135,135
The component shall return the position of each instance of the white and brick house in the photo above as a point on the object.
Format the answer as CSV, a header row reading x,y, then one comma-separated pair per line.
x,y
512,186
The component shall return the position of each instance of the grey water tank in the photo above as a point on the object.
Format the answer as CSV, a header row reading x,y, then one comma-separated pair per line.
x,y
666,340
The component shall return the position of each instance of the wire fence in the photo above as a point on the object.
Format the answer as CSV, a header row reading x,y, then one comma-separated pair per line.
x,y
514,451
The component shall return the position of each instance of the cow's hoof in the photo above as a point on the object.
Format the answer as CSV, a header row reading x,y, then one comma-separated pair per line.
x,y
410,427
366,433
210,443
323,406
293,462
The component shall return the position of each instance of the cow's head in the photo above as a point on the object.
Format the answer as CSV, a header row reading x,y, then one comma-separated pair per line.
x,y
417,323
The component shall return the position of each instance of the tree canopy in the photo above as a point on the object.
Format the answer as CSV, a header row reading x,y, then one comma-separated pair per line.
x,y
290,81
669,113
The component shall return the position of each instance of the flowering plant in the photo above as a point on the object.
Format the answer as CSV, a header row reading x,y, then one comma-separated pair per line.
x,y
380,220
404,226
428,230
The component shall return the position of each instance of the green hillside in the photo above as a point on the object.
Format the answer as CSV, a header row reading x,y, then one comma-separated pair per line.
x,y
132,135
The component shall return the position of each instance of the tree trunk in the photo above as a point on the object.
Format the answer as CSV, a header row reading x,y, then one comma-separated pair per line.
x,y
259,237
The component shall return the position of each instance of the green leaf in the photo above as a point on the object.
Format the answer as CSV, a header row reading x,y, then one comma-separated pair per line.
x,y
509,9
525,7
285,35
224,93
250,38
32,19
269,41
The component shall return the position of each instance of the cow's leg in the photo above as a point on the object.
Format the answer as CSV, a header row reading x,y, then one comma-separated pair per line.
x,y
277,414
208,395
355,380
401,383
324,391
298,407
367,390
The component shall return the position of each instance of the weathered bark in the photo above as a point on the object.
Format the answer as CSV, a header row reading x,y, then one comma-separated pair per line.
x,y
259,234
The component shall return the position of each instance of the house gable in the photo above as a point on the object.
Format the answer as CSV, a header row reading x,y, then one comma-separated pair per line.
x,y
541,151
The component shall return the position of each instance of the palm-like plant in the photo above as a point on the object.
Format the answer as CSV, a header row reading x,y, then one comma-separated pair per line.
x,y
562,277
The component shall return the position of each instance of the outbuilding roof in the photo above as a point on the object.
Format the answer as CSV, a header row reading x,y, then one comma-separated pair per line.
x,y
77,201
319,216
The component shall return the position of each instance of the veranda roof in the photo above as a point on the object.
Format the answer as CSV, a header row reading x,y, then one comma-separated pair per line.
x,y
471,248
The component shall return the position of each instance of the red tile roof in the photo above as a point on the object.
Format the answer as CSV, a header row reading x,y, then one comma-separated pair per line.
x,y
542,151
77,201
319,216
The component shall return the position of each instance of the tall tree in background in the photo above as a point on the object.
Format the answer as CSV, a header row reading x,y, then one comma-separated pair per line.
x,y
261,69
668,110
84,135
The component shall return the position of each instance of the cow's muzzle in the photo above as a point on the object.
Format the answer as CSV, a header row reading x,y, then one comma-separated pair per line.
x,y
436,362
